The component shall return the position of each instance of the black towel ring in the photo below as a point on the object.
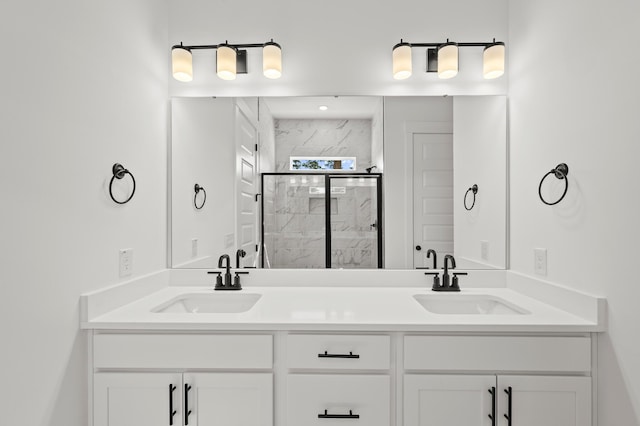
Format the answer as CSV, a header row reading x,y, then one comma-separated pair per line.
x,y
474,191
197,188
561,171
119,172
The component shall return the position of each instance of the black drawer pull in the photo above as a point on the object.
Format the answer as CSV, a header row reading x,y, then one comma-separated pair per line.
x,y
509,416
338,416
492,416
187,412
327,355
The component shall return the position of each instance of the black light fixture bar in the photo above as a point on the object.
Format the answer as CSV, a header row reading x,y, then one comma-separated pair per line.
x,y
182,65
493,58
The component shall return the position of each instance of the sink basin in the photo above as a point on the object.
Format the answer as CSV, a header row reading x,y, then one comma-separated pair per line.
x,y
462,304
213,303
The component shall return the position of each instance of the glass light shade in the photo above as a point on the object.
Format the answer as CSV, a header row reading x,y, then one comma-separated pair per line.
x,y
402,61
226,63
181,64
448,60
493,61
272,60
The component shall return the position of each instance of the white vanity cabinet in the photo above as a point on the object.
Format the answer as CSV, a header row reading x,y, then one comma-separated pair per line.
x,y
503,397
334,379
163,379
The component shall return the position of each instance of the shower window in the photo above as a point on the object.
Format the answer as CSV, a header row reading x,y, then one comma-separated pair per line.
x,y
322,163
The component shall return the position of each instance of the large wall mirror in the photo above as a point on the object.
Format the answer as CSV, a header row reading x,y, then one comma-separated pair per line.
x,y
339,182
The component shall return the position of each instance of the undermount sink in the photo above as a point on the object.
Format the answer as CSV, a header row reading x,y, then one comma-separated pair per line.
x,y
213,303
462,304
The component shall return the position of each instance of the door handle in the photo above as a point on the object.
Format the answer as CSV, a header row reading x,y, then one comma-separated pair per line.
x,y
508,416
492,416
172,412
187,412
418,248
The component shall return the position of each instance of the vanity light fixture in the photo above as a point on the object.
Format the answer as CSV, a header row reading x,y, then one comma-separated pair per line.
x,y
231,59
443,58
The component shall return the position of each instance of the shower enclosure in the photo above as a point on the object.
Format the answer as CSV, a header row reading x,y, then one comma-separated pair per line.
x,y
321,220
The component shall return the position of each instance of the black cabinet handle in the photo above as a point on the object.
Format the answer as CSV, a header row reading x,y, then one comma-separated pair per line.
x,y
492,416
172,412
327,355
338,416
508,416
187,388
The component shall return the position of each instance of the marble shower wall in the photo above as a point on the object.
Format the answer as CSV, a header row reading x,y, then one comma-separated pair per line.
x,y
295,217
326,138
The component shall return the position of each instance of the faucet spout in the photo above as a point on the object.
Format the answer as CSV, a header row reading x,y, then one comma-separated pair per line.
x,y
435,257
445,277
227,274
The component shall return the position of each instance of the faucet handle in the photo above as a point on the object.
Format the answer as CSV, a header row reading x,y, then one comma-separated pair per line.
x,y
236,279
219,284
436,280
454,282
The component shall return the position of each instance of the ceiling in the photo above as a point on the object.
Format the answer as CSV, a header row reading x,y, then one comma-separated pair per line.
x,y
338,107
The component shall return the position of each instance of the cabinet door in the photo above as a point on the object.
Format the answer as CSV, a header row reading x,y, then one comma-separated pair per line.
x,y
137,399
229,399
448,400
548,401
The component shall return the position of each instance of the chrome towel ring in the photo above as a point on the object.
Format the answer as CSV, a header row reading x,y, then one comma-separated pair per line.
x,y
474,191
560,172
119,172
197,188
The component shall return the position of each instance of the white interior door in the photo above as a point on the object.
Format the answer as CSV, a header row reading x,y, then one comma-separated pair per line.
x,y
246,186
432,196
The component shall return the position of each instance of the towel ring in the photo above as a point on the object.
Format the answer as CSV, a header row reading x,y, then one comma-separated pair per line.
x,y
561,171
474,191
197,188
119,172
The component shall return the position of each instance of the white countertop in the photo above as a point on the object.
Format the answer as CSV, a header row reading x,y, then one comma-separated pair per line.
x,y
339,309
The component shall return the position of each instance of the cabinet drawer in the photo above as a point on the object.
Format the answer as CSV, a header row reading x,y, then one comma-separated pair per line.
x,y
338,352
367,397
182,351
497,353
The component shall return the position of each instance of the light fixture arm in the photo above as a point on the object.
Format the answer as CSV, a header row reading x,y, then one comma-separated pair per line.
x,y
216,46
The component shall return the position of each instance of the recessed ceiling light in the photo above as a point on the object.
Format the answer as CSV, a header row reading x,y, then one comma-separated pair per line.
x,y
323,108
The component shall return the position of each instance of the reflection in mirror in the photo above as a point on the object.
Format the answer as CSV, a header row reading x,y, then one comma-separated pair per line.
x,y
260,158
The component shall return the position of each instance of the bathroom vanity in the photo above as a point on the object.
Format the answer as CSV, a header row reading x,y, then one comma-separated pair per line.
x,y
167,349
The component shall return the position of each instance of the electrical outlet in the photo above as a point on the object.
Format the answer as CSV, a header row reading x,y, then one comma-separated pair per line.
x,y
229,240
126,262
484,250
194,247
540,261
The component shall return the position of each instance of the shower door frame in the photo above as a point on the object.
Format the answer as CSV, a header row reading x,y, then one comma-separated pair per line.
x,y
327,202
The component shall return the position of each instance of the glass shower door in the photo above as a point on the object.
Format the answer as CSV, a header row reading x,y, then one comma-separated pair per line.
x,y
354,237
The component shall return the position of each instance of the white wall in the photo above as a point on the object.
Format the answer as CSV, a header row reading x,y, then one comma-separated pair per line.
x,y
575,98
85,87
336,47
203,151
480,157
398,190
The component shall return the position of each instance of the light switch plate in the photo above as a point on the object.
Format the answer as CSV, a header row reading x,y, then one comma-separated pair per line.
x,y
540,261
194,247
126,262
